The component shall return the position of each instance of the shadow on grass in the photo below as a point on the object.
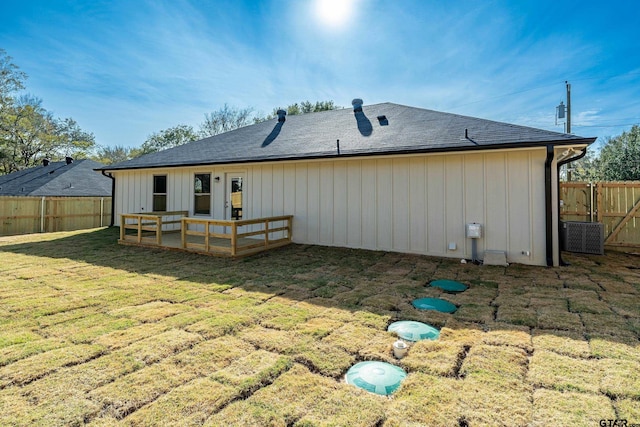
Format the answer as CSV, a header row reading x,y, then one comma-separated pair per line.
x,y
570,299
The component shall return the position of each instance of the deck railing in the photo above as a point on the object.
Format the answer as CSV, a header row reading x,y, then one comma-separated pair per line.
x,y
235,237
212,236
149,226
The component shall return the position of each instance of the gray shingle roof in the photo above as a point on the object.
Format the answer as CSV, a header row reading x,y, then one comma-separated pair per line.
x,y
57,179
314,135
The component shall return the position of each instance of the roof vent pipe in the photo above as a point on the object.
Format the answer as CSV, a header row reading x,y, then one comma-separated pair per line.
x,y
69,160
357,105
45,162
281,114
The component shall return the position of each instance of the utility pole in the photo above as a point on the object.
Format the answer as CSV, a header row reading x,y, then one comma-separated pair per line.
x,y
568,123
568,106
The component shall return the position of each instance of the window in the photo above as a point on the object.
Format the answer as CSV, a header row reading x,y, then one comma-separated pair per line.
x,y
159,193
202,192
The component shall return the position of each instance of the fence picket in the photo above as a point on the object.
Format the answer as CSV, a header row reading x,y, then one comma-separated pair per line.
x,y
24,215
616,205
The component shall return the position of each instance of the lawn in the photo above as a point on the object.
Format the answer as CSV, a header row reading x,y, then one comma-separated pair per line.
x,y
93,333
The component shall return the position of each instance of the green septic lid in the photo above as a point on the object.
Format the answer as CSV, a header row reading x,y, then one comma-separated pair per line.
x,y
414,331
449,285
434,304
376,377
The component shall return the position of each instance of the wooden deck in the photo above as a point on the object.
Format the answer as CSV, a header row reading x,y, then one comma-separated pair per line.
x,y
232,238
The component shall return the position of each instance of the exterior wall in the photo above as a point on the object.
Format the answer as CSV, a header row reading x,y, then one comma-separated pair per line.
x,y
415,204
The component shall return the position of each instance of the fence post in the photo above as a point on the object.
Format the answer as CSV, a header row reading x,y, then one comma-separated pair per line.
x,y
42,211
599,209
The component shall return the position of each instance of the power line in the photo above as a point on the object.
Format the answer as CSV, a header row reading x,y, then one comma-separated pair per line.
x,y
606,126
613,76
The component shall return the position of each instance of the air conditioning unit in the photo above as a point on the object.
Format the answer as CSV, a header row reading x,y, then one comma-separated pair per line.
x,y
584,237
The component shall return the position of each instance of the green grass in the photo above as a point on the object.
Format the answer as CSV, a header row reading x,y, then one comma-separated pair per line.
x,y
93,333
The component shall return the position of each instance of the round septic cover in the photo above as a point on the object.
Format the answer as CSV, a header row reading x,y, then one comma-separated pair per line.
x,y
376,377
434,304
414,331
449,285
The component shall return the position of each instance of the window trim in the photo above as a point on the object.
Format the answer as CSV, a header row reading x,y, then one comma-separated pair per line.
x,y
197,194
154,193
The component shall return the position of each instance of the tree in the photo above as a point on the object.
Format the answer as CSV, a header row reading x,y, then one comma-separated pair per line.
x,y
111,155
11,80
72,140
586,169
225,119
304,107
28,131
168,138
620,156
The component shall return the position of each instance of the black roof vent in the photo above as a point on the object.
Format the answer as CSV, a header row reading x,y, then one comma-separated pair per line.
x,y
383,120
45,162
281,114
69,160
357,105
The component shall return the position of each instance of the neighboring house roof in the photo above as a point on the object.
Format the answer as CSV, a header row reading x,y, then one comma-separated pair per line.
x,y
57,179
402,130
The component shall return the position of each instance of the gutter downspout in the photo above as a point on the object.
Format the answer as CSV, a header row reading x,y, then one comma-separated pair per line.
x,y
113,195
560,164
548,205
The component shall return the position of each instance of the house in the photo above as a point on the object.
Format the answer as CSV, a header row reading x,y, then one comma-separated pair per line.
x,y
57,196
61,179
383,177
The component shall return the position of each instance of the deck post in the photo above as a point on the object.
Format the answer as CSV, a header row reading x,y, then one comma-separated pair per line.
x,y
122,223
159,230
266,233
234,238
206,236
139,228
183,232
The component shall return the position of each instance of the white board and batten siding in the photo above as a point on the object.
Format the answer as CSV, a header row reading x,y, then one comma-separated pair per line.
x,y
414,203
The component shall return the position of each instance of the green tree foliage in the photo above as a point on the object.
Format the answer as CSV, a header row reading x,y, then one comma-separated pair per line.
x,y
28,132
304,107
224,120
11,80
586,169
620,157
617,160
168,138
111,155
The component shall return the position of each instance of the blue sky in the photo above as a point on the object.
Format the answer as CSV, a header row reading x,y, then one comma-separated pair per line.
x,y
126,68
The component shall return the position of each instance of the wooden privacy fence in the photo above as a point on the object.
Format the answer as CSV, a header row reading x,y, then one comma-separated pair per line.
x,y
24,215
615,204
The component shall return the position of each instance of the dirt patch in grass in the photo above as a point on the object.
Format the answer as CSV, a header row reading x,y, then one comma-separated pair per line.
x,y
100,334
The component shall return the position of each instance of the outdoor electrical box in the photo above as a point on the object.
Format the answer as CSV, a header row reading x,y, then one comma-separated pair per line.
x,y
474,230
